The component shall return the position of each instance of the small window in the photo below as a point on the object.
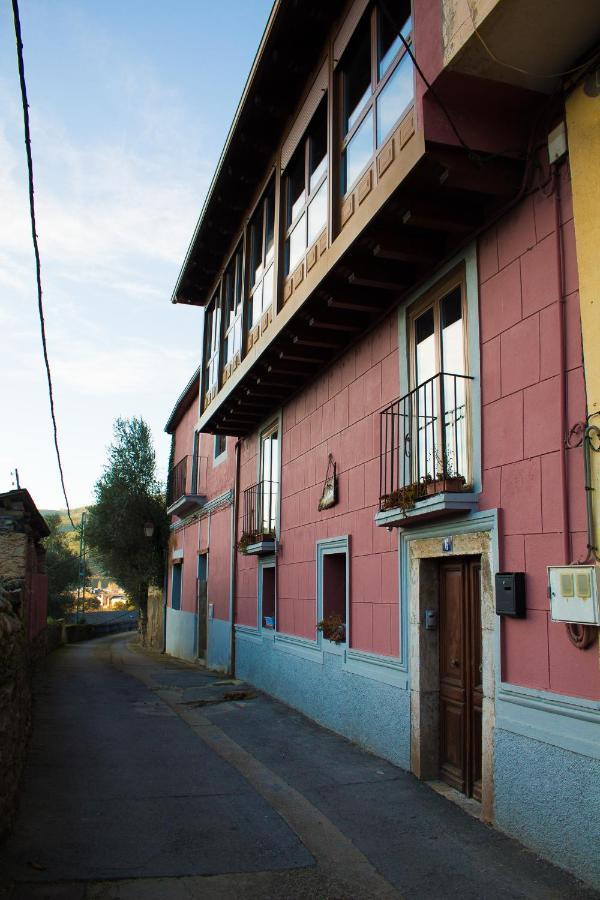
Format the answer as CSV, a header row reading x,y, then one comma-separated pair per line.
x,y
306,190
261,268
267,596
376,88
220,444
176,585
333,596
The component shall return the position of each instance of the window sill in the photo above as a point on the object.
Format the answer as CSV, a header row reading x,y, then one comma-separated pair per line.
x,y
261,548
430,509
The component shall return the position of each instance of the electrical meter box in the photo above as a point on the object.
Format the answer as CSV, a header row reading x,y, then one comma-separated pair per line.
x,y
573,592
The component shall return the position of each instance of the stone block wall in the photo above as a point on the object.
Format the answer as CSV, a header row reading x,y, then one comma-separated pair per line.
x,y
15,696
155,624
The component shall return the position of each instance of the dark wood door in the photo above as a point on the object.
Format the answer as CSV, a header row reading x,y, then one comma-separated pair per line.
x,y
460,675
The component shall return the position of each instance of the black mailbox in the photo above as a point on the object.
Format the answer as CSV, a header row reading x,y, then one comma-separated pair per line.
x,y
510,594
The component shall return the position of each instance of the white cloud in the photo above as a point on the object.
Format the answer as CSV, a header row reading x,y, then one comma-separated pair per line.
x,y
115,214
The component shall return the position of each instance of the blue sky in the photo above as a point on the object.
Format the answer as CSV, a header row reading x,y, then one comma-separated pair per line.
x,y
130,103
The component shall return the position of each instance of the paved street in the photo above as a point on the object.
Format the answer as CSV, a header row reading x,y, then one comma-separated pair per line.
x,y
138,788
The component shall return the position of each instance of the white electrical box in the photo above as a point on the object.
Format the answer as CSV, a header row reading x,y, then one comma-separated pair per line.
x,y
573,592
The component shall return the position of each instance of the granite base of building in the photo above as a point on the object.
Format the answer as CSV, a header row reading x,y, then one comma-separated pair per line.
x,y
219,645
548,798
372,710
182,633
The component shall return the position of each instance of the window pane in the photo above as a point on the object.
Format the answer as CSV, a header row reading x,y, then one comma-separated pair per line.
x,y
270,224
317,214
388,40
318,145
453,359
257,305
356,74
358,152
425,346
453,362
267,299
297,244
256,236
394,98
296,194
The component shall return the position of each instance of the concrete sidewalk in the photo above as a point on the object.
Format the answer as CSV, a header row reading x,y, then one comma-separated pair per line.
x,y
144,782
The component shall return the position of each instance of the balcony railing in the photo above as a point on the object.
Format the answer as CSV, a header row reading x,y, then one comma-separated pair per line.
x,y
424,442
260,510
182,483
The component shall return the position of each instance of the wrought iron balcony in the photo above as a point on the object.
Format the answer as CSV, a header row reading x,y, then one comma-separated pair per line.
x,y
424,457
260,518
182,487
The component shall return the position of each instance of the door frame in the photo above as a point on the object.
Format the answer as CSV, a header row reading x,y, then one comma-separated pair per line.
x,y
420,550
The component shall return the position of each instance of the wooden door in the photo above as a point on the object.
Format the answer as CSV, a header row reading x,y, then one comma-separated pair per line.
x,y
460,675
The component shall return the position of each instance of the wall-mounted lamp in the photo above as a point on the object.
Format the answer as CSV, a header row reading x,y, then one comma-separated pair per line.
x,y
148,529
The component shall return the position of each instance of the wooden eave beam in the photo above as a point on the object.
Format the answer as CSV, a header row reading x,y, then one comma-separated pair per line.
x,y
378,284
334,326
354,306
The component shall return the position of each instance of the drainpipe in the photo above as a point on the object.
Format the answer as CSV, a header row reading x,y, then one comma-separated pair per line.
x,y
234,541
563,392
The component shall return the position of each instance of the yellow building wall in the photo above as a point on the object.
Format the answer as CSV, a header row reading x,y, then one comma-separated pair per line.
x,y
583,125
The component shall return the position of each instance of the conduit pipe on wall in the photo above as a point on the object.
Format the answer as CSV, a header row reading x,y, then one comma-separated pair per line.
x,y
563,390
234,541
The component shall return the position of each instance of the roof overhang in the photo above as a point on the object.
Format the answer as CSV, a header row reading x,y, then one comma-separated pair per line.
x,y
290,50
185,399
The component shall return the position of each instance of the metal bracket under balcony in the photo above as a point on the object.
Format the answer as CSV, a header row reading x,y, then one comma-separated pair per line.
x,y
424,460
182,494
259,525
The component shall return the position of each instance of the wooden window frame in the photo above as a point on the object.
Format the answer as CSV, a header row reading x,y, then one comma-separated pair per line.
x,y
309,194
373,16
456,278
237,262
212,355
267,261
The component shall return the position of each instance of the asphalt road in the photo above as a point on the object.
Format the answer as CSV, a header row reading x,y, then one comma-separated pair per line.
x,y
135,787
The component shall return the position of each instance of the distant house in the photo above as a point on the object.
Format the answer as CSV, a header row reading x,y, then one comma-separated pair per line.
x,y
200,499
382,470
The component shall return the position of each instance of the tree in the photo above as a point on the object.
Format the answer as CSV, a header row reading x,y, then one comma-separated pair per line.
x,y
62,566
128,495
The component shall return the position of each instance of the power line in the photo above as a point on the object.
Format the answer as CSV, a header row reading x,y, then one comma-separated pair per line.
x,y
398,29
36,250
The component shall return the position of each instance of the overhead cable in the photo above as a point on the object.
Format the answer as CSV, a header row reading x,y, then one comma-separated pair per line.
x,y
36,250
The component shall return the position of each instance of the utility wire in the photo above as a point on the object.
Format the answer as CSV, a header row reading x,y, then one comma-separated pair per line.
x,y
36,250
528,72
398,29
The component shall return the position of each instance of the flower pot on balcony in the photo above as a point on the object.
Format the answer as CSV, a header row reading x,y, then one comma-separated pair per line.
x,y
449,484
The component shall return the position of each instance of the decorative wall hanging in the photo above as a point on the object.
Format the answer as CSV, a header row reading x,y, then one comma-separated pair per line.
x,y
329,495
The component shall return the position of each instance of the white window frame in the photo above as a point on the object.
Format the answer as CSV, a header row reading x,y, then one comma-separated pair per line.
x,y
331,547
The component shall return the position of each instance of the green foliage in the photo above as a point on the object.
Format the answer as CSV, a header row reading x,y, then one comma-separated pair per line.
x,y
128,495
62,566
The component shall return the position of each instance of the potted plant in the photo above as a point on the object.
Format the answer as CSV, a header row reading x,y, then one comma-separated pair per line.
x,y
446,478
404,498
333,628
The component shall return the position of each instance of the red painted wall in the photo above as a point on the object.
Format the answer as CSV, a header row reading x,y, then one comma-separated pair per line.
x,y
214,480
522,439
338,414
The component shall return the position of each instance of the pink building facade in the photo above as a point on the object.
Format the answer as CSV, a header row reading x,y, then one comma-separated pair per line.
x,y
397,376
